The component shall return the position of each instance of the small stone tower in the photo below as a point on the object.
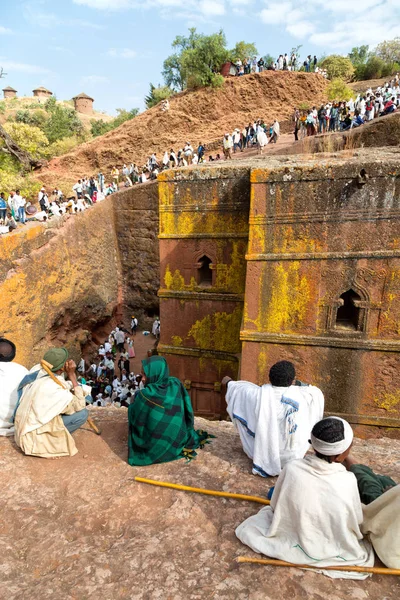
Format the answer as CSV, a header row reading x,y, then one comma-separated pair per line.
x,y
9,92
83,104
41,92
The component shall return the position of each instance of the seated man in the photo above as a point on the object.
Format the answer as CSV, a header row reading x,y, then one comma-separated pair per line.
x,y
274,421
11,374
381,522
50,408
315,513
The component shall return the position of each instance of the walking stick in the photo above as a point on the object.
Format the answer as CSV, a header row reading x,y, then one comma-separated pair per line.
x,y
185,488
46,366
350,569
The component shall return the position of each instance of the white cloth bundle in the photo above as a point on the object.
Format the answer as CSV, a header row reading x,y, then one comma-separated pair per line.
x,y
11,374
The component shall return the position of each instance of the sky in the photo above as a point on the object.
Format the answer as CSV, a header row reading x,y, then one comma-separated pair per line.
x,y
113,49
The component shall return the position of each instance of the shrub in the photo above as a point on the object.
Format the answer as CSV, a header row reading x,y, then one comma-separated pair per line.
x,y
338,67
29,138
338,90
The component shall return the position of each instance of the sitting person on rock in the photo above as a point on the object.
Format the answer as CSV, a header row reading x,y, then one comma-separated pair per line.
x,y
274,421
11,373
315,514
50,408
161,420
381,498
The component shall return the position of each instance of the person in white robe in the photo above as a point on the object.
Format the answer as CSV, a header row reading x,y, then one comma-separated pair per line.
x,y
274,421
11,374
315,513
49,410
262,139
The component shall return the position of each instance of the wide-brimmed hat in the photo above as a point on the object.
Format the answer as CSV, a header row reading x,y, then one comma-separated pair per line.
x,y
31,210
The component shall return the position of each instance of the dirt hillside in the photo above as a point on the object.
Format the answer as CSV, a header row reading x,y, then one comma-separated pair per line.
x,y
200,116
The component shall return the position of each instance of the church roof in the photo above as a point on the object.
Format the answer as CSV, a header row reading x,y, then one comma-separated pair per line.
x,y
42,89
83,95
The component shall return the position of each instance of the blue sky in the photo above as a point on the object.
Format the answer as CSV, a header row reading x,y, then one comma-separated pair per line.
x,y
112,49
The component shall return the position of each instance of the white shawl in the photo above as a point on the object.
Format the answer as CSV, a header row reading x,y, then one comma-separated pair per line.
x,y
274,423
314,519
11,374
382,523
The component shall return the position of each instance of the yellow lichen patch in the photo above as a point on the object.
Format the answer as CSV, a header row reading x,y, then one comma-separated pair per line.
x,y
389,402
176,340
213,222
174,281
231,278
289,299
219,331
262,365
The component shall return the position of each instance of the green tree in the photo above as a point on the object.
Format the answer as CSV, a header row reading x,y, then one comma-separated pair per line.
x,y
100,127
269,60
29,138
389,51
173,71
37,118
62,121
359,55
339,91
157,94
243,50
338,67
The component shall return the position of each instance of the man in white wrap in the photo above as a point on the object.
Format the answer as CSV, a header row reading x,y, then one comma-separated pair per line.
x,y
47,412
274,421
315,513
11,373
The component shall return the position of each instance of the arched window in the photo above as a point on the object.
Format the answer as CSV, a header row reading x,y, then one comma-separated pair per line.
x,y
204,271
349,312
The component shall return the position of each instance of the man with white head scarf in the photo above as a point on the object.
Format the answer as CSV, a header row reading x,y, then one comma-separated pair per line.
x,y
315,513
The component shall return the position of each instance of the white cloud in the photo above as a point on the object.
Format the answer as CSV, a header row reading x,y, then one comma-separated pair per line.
x,y
105,4
94,79
340,24
5,30
11,66
212,7
122,53
34,16
300,29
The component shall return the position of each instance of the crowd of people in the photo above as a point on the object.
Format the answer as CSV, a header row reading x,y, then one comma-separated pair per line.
x,y
343,116
87,191
110,376
284,62
326,508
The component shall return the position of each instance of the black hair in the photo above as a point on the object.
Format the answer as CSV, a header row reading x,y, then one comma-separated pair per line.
x,y
328,430
282,373
7,350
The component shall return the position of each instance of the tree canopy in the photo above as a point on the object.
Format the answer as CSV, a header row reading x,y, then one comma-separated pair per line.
x,y
157,94
338,67
389,51
197,59
101,127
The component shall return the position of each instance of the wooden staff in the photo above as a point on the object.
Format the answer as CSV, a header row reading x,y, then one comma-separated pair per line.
x,y
185,488
46,366
350,569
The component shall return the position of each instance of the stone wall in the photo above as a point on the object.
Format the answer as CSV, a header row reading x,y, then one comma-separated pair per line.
x,y
136,222
58,281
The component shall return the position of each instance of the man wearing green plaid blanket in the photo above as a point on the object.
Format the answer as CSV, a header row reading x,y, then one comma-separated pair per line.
x,y
161,420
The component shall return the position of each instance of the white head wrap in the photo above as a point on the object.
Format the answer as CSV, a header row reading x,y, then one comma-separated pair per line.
x,y
335,448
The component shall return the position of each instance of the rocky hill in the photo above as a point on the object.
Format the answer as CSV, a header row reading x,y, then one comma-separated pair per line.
x,y
200,116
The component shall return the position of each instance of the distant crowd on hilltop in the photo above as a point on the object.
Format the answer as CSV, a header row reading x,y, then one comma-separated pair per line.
x,y
284,62
331,117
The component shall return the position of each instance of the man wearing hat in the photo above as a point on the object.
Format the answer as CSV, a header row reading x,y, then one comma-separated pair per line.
x,y
11,374
50,408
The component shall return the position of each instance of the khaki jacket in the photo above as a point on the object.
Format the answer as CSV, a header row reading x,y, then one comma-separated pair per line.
x,y
39,428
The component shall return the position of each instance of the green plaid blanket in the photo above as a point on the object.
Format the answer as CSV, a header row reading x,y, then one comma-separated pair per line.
x,y
161,420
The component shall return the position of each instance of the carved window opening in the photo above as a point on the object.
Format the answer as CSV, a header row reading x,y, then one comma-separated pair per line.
x,y
204,271
349,313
